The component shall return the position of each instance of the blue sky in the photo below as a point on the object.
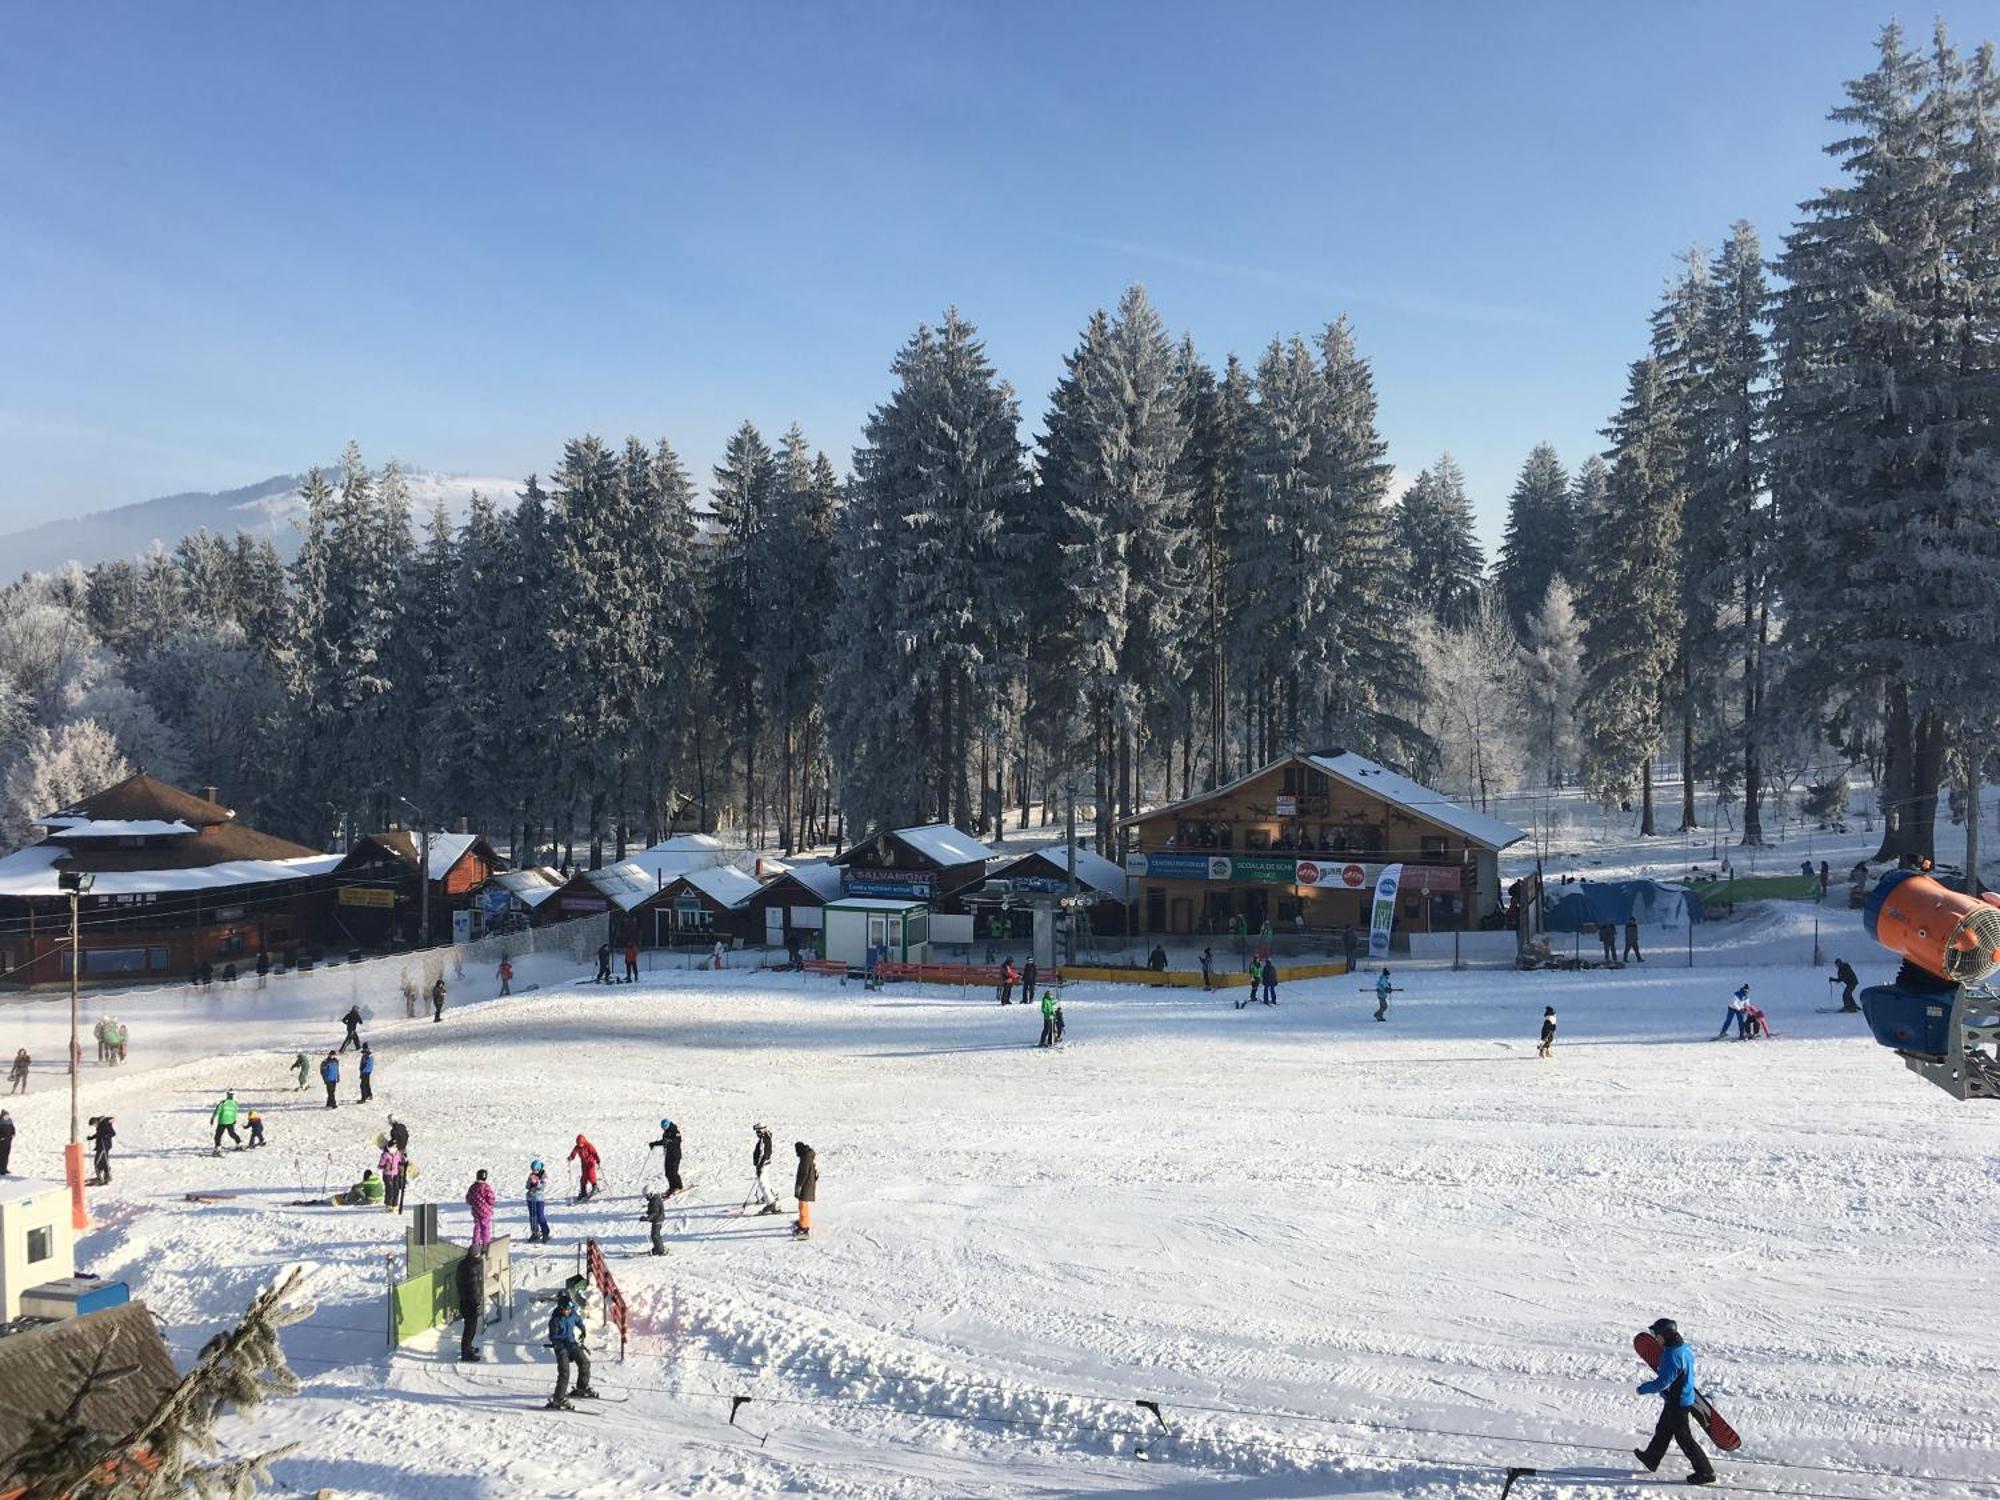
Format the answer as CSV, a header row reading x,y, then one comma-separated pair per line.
x,y
237,235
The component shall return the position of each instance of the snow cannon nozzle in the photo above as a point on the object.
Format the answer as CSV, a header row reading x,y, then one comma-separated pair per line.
x,y
1947,934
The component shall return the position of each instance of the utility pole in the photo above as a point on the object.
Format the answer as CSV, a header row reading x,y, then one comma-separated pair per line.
x,y
423,873
76,882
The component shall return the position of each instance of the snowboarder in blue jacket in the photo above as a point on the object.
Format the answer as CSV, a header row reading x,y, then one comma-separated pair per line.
x,y
1674,1384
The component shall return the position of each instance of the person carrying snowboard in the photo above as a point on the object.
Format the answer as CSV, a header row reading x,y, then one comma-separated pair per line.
x,y
223,1118
805,1188
481,1199
656,1216
329,1074
1674,1384
566,1338
1383,990
367,1072
101,1136
437,999
536,1192
669,1144
1548,1031
302,1067
256,1122
352,1021
585,1156
760,1158
1048,1020
1847,979
1737,1015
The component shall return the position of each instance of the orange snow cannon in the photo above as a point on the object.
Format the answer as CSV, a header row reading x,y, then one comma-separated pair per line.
x,y
1943,932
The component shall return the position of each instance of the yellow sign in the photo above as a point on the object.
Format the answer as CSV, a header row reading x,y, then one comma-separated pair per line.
x,y
366,895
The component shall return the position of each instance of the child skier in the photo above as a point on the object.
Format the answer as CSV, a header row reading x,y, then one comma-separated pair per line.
x,y
256,1130
585,1156
669,1144
1383,990
1738,1014
506,976
760,1158
566,1338
437,999
1548,1031
536,1193
481,1199
656,1216
303,1068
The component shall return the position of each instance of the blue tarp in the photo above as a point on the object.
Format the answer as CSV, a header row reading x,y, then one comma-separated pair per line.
x,y
1592,903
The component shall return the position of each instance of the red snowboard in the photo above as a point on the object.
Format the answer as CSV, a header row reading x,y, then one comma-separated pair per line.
x,y
1647,1346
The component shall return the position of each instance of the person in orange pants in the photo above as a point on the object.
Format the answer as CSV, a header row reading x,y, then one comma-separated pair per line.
x,y
805,1187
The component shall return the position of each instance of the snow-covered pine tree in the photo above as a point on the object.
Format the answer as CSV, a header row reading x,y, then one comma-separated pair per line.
x,y
1217,418
1884,426
1552,679
744,492
928,608
798,580
418,654
680,691
1631,595
528,728
1541,535
1442,560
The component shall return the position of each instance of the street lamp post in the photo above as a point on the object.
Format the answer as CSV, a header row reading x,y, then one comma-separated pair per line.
x,y
75,882
423,872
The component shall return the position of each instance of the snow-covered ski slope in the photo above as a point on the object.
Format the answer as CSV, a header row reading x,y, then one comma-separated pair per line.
x,y
1345,1258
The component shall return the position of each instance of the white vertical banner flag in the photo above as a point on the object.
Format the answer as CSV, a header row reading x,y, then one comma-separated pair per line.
x,y
1384,917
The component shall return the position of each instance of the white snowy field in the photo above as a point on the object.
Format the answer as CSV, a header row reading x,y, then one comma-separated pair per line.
x,y
1346,1258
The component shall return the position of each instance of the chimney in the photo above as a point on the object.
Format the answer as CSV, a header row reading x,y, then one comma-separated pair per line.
x,y
463,825
211,794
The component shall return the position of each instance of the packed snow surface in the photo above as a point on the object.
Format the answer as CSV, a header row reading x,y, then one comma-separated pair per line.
x,y
1344,1258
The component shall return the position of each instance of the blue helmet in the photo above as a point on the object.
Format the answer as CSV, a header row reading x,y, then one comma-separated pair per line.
x,y
666,1124
536,1166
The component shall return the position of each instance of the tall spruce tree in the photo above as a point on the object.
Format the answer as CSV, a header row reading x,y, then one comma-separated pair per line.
x,y
1884,427
1631,595
1442,560
744,493
1541,534
798,571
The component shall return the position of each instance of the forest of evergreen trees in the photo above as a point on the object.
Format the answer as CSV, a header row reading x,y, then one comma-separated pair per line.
x,y
1785,563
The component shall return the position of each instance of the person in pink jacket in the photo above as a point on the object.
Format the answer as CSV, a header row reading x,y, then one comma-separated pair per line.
x,y
390,1165
480,1199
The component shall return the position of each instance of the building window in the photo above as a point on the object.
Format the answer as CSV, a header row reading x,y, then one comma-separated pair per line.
x,y
916,929
1433,847
41,1244
109,961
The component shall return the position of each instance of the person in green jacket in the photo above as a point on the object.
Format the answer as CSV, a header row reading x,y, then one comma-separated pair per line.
x,y
1048,1018
367,1191
224,1119
303,1068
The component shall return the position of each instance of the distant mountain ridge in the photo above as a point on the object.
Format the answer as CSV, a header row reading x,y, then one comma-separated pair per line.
x,y
269,508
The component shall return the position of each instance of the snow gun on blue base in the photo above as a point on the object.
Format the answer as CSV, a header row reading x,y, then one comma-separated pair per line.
x,y
1939,1013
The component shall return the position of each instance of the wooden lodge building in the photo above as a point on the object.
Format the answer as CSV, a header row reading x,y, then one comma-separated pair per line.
x,y
1307,836
378,892
934,863
175,881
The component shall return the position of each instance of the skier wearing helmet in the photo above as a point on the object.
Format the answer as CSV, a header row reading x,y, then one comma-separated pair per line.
x,y
760,1158
585,1156
669,1144
537,1193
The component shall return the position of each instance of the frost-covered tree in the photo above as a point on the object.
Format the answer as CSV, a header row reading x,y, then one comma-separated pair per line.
x,y
739,604
1472,711
928,607
798,564
55,769
1442,560
1217,421
1117,499
1631,596
1551,682
1541,535
1885,421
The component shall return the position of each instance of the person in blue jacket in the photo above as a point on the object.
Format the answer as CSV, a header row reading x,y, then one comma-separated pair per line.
x,y
566,1338
367,1072
1674,1384
329,1074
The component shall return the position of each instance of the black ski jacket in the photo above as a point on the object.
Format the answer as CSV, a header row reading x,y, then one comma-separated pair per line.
x,y
805,1186
760,1154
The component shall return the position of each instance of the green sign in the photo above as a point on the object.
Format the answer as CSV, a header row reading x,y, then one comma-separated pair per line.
x,y
1263,867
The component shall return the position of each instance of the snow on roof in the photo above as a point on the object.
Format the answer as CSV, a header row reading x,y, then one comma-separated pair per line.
x,y
31,872
873,903
625,885
64,826
1434,807
1092,868
945,844
821,877
724,884
688,843
674,857
529,887
447,849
